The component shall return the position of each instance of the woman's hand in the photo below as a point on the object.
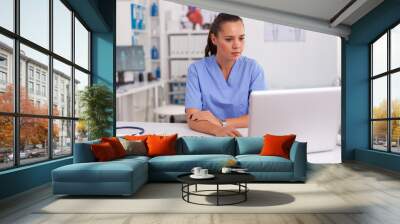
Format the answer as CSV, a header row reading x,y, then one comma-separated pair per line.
x,y
205,116
227,131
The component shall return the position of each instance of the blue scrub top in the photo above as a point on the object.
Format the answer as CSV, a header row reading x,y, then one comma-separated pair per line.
x,y
207,89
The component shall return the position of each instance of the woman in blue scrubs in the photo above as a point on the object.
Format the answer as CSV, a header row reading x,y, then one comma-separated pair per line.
x,y
218,86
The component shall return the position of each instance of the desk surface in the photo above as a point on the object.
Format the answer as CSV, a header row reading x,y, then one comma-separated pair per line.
x,y
163,129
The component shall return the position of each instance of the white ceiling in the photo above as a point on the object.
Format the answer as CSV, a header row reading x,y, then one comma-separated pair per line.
x,y
315,15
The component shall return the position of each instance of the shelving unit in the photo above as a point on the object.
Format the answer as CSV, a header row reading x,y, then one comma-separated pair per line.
x,y
136,101
184,48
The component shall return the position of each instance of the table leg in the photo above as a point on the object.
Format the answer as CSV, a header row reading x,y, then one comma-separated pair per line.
x,y
245,193
196,187
217,194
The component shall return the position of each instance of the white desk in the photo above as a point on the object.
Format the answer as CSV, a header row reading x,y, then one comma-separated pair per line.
x,y
163,128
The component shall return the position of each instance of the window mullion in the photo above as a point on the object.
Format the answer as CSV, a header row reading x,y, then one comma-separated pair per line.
x,y
73,82
389,106
16,84
50,81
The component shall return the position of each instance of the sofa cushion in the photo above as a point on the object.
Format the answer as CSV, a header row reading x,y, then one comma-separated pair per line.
x,y
111,171
275,145
83,152
133,147
249,145
195,145
103,152
116,145
257,163
185,163
159,145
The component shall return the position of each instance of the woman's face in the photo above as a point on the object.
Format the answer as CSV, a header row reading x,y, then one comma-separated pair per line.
x,y
229,40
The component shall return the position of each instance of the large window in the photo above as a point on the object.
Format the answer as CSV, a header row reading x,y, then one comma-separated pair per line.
x,y
44,64
385,91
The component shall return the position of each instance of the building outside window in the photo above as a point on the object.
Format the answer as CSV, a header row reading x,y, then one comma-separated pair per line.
x,y
30,72
43,90
44,77
3,71
30,87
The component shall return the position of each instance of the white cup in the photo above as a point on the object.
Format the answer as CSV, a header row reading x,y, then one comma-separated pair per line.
x,y
203,172
226,170
196,170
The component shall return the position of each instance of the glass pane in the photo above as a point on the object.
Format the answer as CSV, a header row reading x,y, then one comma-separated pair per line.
x,y
81,45
6,74
395,136
81,81
35,21
62,141
62,89
33,139
379,97
62,29
395,94
6,142
7,14
379,135
34,97
379,55
395,47
81,131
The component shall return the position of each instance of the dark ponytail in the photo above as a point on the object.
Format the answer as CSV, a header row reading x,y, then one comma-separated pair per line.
x,y
211,49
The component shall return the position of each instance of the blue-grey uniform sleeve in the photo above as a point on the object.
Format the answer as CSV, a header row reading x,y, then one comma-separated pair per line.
x,y
193,92
257,79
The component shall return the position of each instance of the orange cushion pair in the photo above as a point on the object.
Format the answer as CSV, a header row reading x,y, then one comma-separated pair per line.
x,y
277,145
103,152
157,145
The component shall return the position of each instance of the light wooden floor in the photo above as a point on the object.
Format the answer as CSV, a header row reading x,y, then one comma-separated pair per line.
x,y
378,188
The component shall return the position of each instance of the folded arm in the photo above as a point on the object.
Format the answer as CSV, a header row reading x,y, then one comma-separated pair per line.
x,y
206,122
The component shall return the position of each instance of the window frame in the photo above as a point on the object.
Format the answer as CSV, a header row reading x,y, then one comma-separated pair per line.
x,y
16,114
388,74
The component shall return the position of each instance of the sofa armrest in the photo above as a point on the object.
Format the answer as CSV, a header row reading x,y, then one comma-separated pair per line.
x,y
298,155
83,152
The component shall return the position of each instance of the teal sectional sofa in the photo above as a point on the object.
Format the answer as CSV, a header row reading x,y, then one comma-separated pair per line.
x,y
125,176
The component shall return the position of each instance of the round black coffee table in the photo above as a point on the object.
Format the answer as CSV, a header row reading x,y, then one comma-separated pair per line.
x,y
238,179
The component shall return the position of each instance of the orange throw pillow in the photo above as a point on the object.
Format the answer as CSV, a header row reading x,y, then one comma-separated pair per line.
x,y
277,145
116,145
159,145
103,152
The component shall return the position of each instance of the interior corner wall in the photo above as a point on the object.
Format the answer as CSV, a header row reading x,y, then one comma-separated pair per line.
x,y
103,64
356,74
103,53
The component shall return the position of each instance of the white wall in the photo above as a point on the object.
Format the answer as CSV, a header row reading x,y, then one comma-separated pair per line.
x,y
123,25
312,63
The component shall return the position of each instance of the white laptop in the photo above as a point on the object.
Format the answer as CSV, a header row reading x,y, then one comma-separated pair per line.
x,y
312,114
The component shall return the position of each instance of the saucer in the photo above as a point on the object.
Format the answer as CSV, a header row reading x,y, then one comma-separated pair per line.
x,y
208,176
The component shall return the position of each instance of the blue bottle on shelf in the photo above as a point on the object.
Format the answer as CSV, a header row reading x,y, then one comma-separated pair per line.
x,y
140,17
133,16
158,73
154,9
154,53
